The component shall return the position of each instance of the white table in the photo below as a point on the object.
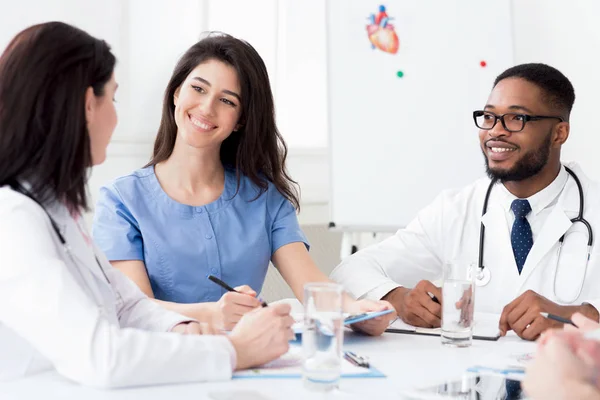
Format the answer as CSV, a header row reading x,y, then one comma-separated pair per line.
x,y
407,360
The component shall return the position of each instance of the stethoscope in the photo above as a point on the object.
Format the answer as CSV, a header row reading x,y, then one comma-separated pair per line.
x,y
483,274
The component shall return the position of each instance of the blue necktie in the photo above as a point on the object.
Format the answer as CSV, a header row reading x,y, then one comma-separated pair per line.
x,y
513,390
521,236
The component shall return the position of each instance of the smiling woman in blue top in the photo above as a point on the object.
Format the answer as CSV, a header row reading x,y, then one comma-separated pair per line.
x,y
215,198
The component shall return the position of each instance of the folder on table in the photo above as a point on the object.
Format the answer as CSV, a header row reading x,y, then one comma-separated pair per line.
x,y
485,327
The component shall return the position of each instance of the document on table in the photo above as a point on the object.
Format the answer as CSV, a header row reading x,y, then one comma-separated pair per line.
x,y
290,366
485,327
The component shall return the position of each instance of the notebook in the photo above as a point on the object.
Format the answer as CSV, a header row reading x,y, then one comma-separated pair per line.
x,y
485,327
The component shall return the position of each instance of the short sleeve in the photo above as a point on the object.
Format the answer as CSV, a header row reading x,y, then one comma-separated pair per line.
x,y
284,228
115,230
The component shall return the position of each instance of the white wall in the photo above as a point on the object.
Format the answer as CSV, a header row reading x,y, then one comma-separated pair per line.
x,y
149,35
157,34
566,35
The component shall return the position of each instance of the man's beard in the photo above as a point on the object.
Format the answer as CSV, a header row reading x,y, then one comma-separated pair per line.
x,y
529,165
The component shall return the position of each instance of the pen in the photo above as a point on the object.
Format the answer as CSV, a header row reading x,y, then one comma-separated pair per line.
x,y
435,299
351,360
356,360
229,288
557,318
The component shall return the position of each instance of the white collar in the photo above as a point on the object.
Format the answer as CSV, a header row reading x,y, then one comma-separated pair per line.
x,y
541,199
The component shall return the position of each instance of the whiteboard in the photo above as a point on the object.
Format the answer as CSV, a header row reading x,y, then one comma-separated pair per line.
x,y
396,142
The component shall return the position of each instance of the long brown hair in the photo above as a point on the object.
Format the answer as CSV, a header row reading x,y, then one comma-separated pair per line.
x,y
44,74
257,150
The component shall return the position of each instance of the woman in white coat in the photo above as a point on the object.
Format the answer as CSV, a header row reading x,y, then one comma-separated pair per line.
x,y
62,305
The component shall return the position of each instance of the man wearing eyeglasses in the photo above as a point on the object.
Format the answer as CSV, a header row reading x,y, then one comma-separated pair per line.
x,y
537,251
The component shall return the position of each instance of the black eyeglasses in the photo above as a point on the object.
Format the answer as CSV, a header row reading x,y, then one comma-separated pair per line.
x,y
486,120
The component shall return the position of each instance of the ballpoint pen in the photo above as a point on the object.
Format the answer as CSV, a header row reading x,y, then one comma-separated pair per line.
x,y
350,359
435,299
229,288
557,318
356,359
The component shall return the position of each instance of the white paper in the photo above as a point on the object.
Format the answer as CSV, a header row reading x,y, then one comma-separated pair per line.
x,y
291,364
484,325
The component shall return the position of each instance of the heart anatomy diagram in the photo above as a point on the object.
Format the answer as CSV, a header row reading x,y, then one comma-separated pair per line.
x,y
382,33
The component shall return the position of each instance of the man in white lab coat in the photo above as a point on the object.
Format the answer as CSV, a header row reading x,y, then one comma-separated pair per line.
x,y
521,130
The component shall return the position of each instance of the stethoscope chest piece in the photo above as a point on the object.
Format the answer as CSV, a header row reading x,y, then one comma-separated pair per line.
x,y
483,277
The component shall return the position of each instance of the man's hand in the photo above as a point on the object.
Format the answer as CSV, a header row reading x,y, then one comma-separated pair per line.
x,y
415,306
466,307
375,326
522,315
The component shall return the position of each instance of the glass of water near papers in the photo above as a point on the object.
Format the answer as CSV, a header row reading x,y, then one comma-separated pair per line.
x,y
458,303
323,336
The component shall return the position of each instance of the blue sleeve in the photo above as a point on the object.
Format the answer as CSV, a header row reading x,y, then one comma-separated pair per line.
x,y
284,228
115,230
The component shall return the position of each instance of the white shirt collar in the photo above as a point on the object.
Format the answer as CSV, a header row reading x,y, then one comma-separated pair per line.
x,y
541,199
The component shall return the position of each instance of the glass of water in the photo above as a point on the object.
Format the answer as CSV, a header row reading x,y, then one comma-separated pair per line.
x,y
323,336
458,303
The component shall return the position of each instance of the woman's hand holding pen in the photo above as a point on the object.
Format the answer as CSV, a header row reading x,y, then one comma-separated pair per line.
x,y
262,335
233,305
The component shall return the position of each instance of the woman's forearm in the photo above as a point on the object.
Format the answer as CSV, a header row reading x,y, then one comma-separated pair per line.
x,y
202,312
297,268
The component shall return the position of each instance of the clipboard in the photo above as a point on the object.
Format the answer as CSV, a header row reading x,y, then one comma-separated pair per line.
x,y
438,332
485,327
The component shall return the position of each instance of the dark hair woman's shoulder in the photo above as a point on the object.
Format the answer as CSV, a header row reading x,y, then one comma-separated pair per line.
x,y
12,201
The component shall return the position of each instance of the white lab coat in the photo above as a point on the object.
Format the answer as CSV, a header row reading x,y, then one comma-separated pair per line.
x,y
448,229
58,311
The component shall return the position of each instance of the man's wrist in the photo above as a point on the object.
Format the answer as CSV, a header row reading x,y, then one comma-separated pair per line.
x,y
349,303
396,296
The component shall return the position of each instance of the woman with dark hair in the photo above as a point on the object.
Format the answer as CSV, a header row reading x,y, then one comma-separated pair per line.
x,y
62,305
215,198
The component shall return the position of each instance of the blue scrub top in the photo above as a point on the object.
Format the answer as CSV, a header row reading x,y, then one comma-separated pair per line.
x,y
232,238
